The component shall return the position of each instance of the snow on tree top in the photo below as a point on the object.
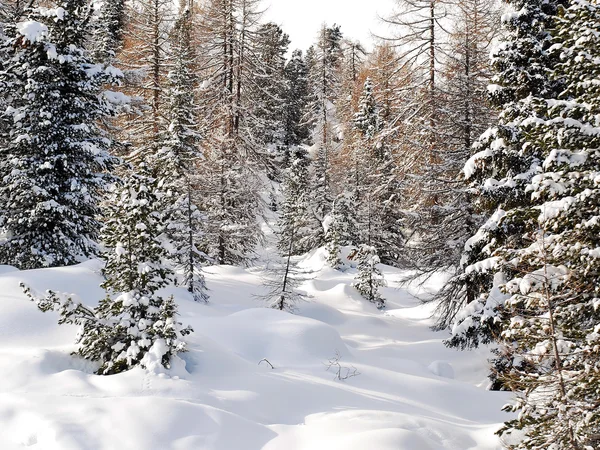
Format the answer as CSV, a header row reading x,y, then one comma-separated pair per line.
x,y
32,31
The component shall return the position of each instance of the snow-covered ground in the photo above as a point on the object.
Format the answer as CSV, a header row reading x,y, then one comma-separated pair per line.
x,y
411,392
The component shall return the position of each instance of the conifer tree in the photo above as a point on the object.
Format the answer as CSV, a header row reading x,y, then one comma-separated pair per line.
x,y
295,217
132,326
296,129
233,150
142,326
369,278
54,158
502,167
323,62
109,29
341,228
145,59
552,319
376,181
271,45
441,228
177,162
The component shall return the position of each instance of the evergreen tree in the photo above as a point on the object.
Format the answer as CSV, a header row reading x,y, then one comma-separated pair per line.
x,y
341,228
376,181
369,278
132,326
295,217
552,315
177,161
271,45
54,157
323,62
108,30
142,327
296,129
503,166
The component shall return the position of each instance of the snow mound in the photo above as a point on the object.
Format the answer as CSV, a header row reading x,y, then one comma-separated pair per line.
x,y
282,338
363,429
442,369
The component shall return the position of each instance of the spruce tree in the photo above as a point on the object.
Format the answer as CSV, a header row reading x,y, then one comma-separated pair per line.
x,y
132,326
296,129
369,278
109,29
323,61
295,217
142,330
177,163
54,158
374,175
271,45
341,228
552,315
501,169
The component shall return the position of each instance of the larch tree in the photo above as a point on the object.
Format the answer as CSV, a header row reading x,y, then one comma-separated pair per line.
x,y
144,59
446,225
233,150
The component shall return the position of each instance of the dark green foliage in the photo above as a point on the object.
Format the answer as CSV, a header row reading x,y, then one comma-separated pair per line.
x,y
53,157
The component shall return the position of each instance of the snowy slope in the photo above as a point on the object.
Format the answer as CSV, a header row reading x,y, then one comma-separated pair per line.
x,y
412,393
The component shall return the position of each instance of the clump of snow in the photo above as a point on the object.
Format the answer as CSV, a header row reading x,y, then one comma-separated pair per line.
x,y
32,31
442,369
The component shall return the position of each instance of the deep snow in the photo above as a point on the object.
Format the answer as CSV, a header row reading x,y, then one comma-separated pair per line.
x,y
412,393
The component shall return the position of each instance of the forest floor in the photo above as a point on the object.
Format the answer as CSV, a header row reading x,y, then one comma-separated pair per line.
x,y
409,392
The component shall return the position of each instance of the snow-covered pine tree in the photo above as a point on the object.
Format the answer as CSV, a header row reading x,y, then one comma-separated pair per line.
x,y
270,88
341,228
323,61
295,217
369,278
177,161
296,129
54,158
11,11
109,29
376,180
284,278
142,328
553,310
501,170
